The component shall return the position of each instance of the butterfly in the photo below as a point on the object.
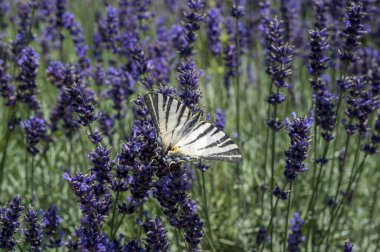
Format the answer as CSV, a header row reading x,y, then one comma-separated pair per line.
x,y
184,136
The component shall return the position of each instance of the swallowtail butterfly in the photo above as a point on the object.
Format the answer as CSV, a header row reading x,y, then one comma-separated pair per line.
x,y
184,136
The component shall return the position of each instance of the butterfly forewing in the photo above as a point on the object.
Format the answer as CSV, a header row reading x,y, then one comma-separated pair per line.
x,y
169,117
178,127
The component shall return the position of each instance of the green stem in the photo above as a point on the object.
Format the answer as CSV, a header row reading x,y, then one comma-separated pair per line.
x,y
287,217
341,165
3,158
114,213
206,212
269,227
32,176
118,226
140,217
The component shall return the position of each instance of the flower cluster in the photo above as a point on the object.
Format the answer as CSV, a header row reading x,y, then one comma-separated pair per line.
x,y
295,238
353,30
156,234
35,128
213,21
50,224
33,232
7,91
299,133
27,90
9,220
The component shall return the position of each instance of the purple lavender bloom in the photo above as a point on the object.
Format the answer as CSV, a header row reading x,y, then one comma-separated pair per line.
x,y
295,238
157,239
106,124
55,73
279,54
193,17
320,8
33,232
178,37
192,225
291,16
83,101
299,133
35,128
7,91
102,164
353,30
220,119
318,58
24,35
9,220
27,90
348,247
237,10
360,104
213,21
325,116
188,78
262,235
278,193
51,223
230,62
80,46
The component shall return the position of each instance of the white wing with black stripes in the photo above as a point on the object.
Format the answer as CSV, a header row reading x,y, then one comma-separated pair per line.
x,y
182,134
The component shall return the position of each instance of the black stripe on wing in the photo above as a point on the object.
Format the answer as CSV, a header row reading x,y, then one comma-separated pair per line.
x,y
151,100
232,155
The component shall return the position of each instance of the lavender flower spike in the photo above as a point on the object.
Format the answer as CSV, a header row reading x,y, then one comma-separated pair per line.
x,y
296,238
299,133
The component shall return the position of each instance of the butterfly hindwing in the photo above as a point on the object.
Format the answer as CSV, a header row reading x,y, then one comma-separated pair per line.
x,y
206,141
178,127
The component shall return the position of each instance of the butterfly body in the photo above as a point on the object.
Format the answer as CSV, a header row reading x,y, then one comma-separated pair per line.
x,y
184,136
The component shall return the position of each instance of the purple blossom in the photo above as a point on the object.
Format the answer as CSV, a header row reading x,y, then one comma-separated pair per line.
x,y
101,164
295,238
33,232
318,58
157,239
220,119
262,235
348,247
299,133
190,94
35,129
77,36
51,223
213,22
27,90
7,90
353,30
9,220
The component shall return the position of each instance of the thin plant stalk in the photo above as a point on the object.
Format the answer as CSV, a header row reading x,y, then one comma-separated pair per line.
x,y
206,212
269,227
287,218
114,212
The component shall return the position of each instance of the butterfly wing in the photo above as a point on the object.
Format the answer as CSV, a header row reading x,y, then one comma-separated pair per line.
x,y
169,116
178,127
205,141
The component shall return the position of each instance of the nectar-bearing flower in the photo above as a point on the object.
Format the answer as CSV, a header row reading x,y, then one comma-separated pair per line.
x,y
9,223
299,134
35,128
33,232
157,239
213,22
295,238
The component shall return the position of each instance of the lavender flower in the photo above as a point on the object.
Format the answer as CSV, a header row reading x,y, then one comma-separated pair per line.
x,y
27,90
9,220
296,238
213,20
191,224
102,164
50,223
325,116
360,104
106,124
348,247
262,235
318,58
278,193
83,101
33,232
7,91
193,17
230,61
24,35
220,119
371,147
291,15
299,133
79,43
188,78
237,10
35,129
353,30
157,239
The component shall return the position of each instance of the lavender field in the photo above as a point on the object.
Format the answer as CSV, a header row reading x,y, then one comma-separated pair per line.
x,y
84,164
